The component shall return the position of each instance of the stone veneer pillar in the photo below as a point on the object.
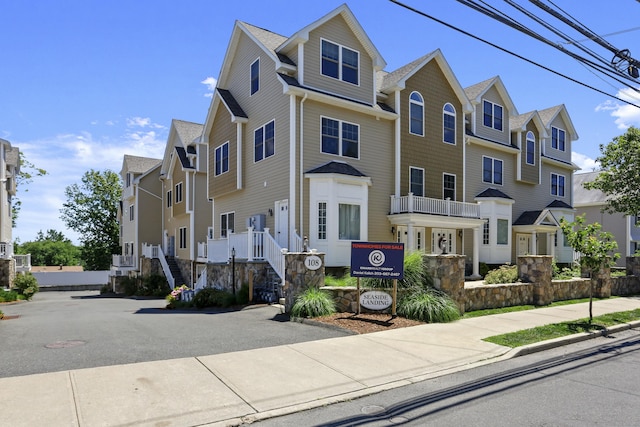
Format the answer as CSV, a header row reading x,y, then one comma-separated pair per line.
x,y
633,266
538,270
601,282
298,277
447,272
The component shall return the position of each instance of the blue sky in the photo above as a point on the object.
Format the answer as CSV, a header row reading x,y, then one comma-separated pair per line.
x,y
84,82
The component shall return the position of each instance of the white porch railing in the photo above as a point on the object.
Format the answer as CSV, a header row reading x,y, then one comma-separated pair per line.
x,y
201,283
6,250
150,251
427,205
274,254
166,269
23,262
123,261
202,250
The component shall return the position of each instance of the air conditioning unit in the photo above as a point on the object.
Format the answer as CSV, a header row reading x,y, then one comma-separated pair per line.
x,y
258,222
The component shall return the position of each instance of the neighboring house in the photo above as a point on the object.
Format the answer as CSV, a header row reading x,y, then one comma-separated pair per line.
x,y
592,202
186,210
309,138
518,169
140,210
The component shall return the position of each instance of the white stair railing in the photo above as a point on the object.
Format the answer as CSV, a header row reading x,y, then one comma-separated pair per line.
x,y
201,283
274,254
166,269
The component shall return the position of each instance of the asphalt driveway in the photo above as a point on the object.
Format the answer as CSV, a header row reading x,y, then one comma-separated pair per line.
x,y
72,330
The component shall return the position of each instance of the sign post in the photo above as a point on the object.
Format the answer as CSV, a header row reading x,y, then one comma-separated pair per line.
x,y
379,261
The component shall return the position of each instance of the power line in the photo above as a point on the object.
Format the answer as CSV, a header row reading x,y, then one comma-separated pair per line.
x,y
433,18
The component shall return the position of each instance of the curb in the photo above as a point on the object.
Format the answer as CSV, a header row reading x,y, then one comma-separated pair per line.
x,y
571,339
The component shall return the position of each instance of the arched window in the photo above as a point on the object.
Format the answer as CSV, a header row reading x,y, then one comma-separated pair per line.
x,y
531,148
416,114
449,124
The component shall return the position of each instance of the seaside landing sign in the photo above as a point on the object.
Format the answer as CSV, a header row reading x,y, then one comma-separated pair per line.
x,y
379,261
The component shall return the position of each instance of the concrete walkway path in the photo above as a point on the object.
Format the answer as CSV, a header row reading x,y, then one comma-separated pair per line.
x,y
232,388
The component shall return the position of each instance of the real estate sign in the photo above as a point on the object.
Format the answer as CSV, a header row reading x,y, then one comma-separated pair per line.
x,y
377,260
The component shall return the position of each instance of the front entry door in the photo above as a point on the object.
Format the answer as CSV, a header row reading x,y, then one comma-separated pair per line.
x,y
524,244
282,223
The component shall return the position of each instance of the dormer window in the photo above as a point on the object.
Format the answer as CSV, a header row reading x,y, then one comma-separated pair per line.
x,y
340,62
558,139
531,148
255,76
492,115
416,114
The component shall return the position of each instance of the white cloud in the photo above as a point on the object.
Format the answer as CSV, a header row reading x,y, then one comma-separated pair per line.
x,y
626,115
143,122
586,163
210,83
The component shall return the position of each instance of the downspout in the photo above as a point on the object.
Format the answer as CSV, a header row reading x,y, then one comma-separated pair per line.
x,y
301,164
292,167
397,136
239,155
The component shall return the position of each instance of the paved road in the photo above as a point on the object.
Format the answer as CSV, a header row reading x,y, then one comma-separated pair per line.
x,y
70,330
592,383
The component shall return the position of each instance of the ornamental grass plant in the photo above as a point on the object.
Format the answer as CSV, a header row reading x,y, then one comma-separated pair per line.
x,y
428,305
313,302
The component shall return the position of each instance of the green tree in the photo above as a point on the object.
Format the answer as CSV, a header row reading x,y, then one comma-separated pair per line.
x,y
25,176
91,210
619,179
50,249
596,248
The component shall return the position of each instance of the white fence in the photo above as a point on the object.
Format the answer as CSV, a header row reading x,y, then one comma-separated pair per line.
x,y
72,278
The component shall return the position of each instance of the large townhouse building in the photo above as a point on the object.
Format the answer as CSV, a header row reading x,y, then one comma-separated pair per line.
x,y
309,143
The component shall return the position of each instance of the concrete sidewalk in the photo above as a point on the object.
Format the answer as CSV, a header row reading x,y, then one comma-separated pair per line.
x,y
231,388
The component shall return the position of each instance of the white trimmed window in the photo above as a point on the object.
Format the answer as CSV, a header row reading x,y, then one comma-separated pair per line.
x,y
485,232
340,62
348,222
222,159
227,224
255,76
416,181
448,186
491,170
416,114
264,141
340,138
531,148
449,124
503,232
557,185
492,115
131,213
182,237
169,198
322,220
179,192
558,138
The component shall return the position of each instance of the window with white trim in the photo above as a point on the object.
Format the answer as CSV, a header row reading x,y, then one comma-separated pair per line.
x,y
339,62
557,185
227,224
182,237
416,114
502,232
222,159
558,138
322,220
169,198
485,232
448,186
449,124
255,76
348,222
531,148
492,115
131,213
264,141
340,138
179,192
416,181
491,170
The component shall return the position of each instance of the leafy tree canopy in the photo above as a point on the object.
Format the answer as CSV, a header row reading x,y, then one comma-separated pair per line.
x,y
91,210
50,249
619,179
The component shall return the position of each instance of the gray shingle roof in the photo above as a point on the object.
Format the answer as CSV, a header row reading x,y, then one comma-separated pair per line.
x,y
517,122
527,218
559,204
136,164
187,131
337,167
548,114
582,196
268,38
475,90
392,78
493,192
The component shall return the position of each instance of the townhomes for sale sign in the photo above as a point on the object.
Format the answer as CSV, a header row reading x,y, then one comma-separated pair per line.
x,y
377,260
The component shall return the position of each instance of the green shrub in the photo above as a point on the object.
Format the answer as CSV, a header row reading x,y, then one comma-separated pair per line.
x,y
242,296
8,296
503,274
1,314
313,302
483,269
25,284
346,280
153,285
129,285
428,305
210,297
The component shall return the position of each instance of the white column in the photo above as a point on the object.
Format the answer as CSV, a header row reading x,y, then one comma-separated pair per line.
x,y
476,252
534,243
410,240
551,244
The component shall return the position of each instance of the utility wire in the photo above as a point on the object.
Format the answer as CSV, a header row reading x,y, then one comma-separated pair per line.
x,y
433,18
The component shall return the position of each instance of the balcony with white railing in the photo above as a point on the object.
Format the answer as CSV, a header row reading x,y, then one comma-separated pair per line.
x,y
430,206
123,261
23,262
6,250
150,251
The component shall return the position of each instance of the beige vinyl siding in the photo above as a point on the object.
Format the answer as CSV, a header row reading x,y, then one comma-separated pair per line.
x,y
174,230
483,131
337,31
530,173
223,130
376,161
202,209
149,205
178,176
429,151
475,185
